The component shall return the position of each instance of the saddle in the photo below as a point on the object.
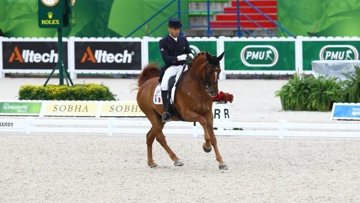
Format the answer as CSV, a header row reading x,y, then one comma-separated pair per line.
x,y
173,81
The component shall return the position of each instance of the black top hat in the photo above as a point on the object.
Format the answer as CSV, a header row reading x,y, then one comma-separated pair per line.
x,y
175,23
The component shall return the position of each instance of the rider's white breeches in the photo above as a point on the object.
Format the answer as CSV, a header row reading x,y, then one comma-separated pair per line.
x,y
172,70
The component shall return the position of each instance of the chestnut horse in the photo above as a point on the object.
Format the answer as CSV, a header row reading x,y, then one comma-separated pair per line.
x,y
192,102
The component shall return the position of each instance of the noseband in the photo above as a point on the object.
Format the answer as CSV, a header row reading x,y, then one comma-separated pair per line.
x,y
206,83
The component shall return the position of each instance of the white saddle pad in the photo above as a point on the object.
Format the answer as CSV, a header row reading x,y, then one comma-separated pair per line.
x,y
157,93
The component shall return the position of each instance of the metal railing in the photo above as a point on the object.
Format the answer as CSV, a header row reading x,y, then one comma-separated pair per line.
x,y
239,27
238,14
157,13
266,16
209,31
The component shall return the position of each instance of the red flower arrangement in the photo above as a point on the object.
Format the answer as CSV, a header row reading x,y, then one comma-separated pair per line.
x,y
223,98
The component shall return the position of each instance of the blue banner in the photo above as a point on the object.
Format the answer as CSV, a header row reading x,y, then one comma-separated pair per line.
x,y
346,111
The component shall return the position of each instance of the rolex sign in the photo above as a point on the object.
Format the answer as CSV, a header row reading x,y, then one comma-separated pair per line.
x,y
53,13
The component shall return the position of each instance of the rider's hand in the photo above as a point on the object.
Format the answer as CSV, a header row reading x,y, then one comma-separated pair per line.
x,y
182,57
190,56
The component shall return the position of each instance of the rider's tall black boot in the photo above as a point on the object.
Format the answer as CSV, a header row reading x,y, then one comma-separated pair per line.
x,y
166,101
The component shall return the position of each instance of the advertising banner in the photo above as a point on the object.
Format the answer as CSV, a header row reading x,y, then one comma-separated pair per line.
x,y
20,108
345,111
31,55
12,124
94,18
112,55
121,109
260,55
52,14
318,18
70,108
329,50
195,46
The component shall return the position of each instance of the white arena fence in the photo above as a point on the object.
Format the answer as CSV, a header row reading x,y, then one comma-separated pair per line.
x,y
126,126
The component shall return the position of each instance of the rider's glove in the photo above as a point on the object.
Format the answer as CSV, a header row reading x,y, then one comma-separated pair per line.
x,y
190,56
182,57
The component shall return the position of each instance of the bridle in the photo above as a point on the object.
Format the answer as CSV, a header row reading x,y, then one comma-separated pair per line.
x,y
208,70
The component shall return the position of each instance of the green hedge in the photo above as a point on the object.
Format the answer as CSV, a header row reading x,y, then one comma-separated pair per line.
x,y
84,92
318,94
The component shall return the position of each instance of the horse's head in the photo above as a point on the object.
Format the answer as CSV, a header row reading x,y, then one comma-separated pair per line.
x,y
208,67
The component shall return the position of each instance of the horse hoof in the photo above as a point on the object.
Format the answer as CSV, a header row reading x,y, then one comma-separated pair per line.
x,y
154,166
178,163
206,149
223,167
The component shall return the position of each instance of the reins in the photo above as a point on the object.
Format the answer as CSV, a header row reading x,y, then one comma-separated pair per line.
x,y
206,83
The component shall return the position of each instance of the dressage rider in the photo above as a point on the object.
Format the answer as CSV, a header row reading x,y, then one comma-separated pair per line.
x,y
174,50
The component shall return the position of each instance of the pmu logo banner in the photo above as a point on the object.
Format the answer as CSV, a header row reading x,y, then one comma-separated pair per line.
x,y
329,50
260,55
108,55
32,55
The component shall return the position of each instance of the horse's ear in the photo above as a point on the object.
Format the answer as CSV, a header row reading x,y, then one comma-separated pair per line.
x,y
221,56
207,55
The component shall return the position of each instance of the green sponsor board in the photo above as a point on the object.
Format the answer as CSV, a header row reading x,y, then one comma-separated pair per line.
x,y
260,55
94,18
195,46
20,107
329,50
318,17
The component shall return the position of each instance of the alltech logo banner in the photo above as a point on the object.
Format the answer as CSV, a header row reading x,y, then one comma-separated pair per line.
x,y
108,55
31,55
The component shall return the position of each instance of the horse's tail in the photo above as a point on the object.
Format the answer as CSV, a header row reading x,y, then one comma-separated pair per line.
x,y
151,70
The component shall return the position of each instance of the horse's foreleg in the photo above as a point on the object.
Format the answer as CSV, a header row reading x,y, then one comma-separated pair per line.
x,y
150,137
222,165
204,123
195,117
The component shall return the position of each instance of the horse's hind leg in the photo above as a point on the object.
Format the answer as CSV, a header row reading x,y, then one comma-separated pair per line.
x,y
156,132
162,140
150,137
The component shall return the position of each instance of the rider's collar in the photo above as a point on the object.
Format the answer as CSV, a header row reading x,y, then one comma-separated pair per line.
x,y
175,38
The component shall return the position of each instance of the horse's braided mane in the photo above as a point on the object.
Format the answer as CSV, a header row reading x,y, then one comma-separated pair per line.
x,y
213,60
197,56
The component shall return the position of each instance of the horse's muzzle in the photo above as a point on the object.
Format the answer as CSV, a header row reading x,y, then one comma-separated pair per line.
x,y
213,92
